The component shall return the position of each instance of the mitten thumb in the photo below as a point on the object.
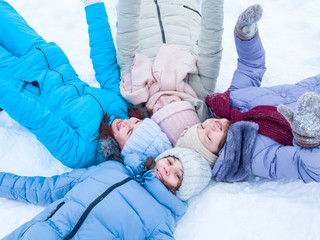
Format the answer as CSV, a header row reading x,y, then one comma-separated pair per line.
x,y
286,112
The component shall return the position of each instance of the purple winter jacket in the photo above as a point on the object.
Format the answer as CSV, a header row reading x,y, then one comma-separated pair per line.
x,y
269,158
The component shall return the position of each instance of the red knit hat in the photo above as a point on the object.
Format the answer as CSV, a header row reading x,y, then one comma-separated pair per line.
x,y
174,117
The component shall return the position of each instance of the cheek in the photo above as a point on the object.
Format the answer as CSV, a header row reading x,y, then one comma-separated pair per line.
x,y
120,139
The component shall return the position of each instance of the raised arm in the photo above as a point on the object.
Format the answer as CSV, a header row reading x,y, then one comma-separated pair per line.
x,y
210,45
127,32
103,52
39,190
251,56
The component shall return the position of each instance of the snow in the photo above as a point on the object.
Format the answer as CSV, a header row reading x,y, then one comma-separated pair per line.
x,y
259,209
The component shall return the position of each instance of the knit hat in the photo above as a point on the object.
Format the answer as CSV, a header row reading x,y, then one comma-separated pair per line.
x,y
189,139
197,172
174,117
147,139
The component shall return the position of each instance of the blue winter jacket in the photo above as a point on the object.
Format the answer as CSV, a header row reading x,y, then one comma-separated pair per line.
x,y
101,202
40,89
271,159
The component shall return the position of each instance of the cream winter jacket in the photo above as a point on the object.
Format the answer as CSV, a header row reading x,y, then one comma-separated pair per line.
x,y
145,25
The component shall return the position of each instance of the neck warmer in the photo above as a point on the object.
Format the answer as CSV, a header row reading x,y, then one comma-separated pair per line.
x,y
271,123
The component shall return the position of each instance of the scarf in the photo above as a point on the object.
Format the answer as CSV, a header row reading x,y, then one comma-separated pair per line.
x,y
271,123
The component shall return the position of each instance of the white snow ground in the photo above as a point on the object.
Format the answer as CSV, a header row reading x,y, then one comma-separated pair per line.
x,y
259,209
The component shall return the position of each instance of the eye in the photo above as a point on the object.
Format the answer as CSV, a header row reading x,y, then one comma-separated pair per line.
x,y
202,126
178,176
137,121
169,161
129,132
209,137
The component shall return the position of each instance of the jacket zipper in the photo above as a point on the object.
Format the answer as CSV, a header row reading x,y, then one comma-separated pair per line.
x,y
45,57
93,204
187,7
160,22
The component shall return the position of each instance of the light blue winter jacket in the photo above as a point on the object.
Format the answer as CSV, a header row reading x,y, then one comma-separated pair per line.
x,y
101,202
40,89
271,159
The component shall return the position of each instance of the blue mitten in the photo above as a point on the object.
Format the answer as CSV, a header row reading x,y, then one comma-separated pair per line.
x,y
305,120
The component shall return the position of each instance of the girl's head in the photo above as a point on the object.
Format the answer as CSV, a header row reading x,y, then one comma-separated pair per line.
x,y
183,171
206,138
121,129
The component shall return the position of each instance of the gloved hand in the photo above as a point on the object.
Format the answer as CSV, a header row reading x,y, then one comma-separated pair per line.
x,y
246,26
90,2
305,120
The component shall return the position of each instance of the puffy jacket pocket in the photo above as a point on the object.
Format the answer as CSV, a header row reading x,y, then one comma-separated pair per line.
x,y
32,87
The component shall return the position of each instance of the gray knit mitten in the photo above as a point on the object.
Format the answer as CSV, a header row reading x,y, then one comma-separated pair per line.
x,y
246,26
305,120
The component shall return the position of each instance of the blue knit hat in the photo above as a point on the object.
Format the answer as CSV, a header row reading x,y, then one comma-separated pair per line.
x,y
148,139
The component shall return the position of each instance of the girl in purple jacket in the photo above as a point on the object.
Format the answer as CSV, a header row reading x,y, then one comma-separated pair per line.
x,y
275,131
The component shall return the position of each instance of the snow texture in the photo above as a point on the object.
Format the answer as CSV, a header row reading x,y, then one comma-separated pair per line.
x,y
259,209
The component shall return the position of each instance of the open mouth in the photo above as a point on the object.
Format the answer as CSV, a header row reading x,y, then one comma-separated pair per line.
x,y
219,125
159,175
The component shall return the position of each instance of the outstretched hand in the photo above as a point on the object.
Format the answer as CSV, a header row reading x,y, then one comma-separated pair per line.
x,y
246,26
305,120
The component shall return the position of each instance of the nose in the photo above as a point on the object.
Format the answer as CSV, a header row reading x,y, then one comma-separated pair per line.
x,y
125,123
213,126
167,170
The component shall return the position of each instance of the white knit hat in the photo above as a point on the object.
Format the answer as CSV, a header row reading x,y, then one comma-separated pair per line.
x,y
189,139
197,172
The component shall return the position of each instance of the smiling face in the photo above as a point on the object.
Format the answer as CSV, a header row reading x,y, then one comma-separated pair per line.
x,y
170,172
165,100
213,133
123,129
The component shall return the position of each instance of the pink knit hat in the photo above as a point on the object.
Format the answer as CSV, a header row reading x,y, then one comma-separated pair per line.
x,y
174,117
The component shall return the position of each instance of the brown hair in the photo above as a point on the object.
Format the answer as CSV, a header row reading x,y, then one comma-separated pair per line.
x,y
151,163
106,131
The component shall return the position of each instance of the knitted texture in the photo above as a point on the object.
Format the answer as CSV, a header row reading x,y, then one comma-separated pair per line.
x,y
147,139
271,123
246,26
305,120
189,139
174,117
196,171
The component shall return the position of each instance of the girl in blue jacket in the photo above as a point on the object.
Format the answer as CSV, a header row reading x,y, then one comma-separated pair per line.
x,y
260,141
107,202
40,89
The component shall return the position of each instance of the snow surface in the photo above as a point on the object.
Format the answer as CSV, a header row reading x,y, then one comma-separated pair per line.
x,y
259,209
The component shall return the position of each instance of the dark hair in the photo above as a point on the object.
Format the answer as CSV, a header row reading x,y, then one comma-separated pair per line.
x,y
151,163
106,131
